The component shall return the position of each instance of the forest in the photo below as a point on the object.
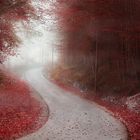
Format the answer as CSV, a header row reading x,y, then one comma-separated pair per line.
x,y
100,54
99,60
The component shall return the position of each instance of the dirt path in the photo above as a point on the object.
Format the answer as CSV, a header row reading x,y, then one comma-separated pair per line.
x,y
72,118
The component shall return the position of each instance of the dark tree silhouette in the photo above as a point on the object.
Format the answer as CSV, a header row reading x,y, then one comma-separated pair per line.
x,y
102,42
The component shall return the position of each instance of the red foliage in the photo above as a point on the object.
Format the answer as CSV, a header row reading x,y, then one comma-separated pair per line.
x,y
21,111
103,36
102,46
10,12
130,118
105,15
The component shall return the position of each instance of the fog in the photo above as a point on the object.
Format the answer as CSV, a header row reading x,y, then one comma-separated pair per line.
x,y
37,48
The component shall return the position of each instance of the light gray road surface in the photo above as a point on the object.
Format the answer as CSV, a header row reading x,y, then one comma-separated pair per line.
x,y
72,118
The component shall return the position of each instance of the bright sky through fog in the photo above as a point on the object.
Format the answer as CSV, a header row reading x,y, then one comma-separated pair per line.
x,y
36,47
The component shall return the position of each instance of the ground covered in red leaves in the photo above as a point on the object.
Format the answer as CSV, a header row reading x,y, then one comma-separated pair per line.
x,y
22,111
129,116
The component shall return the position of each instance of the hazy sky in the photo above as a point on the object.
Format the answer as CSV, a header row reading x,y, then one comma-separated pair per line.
x,y
36,47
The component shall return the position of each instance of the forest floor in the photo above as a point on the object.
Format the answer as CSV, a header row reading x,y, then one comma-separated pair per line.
x,y
22,111
71,117
126,109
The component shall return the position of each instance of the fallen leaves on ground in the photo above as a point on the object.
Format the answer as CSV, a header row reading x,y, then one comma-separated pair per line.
x,y
21,111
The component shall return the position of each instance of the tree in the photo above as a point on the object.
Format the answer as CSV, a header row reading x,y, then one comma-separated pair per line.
x,y
12,11
102,41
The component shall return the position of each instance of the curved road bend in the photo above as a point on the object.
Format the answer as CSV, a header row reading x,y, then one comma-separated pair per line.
x,y
72,118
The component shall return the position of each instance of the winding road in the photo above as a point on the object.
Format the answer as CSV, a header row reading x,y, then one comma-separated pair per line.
x,y
71,117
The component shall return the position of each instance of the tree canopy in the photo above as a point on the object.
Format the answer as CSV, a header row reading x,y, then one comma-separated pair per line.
x,y
12,11
102,42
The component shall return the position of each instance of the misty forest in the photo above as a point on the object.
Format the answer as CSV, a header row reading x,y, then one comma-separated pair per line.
x,y
70,69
